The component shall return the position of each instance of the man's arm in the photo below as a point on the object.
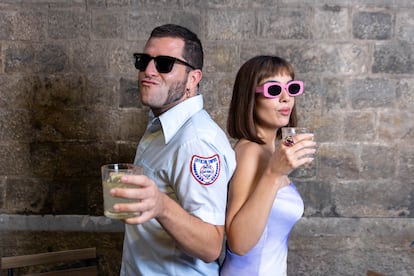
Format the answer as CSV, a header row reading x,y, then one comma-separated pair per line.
x,y
194,236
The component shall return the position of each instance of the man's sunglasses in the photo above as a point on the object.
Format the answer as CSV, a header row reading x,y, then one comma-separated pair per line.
x,y
273,89
163,64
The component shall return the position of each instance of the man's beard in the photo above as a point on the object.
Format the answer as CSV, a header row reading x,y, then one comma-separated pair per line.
x,y
175,93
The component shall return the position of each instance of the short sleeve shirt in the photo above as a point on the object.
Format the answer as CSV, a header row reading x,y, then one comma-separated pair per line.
x,y
190,158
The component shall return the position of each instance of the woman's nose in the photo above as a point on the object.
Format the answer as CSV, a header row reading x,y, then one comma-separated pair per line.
x,y
284,96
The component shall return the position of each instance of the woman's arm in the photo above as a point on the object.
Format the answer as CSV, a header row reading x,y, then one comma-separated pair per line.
x,y
252,191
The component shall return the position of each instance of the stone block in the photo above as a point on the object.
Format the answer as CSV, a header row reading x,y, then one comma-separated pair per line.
x,y
121,60
378,162
126,151
249,50
90,57
100,92
118,3
310,102
129,96
2,192
29,25
405,94
25,195
230,25
131,125
94,200
15,158
219,116
68,24
140,23
197,5
45,58
370,93
220,57
332,22
396,127
1,61
53,124
19,58
82,159
6,26
328,59
405,26
291,23
217,4
173,4
351,246
334,93
406,168
55,4
372,25
43,158
318,197
15,125
216,90
338,162
96,3
328,127
373,198
15,92
59,91
51,58
190,20
223,91
393,58
70,195
108,25
363,126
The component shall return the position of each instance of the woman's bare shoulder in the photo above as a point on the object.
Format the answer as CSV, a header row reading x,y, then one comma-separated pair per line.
x,y
248,146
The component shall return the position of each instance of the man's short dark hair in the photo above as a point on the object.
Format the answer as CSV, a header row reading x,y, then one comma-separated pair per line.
x,y
193,50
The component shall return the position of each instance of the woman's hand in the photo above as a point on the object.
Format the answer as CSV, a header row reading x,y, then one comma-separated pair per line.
x,y
289,156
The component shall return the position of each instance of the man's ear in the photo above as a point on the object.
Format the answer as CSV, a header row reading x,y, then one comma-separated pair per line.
x,y
194,78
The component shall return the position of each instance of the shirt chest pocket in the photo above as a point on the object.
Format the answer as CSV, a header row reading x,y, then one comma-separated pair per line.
x,y
159,177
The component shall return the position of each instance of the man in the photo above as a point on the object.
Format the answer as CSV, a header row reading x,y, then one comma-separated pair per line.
x,y
187,162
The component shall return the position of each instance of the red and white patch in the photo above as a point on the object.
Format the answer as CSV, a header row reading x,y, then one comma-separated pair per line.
x,y
205,170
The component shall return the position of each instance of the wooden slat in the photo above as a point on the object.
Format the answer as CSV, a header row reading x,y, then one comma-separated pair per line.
x,y
84,271
373,273
47,258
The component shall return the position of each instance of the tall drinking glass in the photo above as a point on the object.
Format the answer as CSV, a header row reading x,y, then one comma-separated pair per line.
x,y
288,134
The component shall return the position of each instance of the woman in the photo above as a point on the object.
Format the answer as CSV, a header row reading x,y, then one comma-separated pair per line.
x,y
263,204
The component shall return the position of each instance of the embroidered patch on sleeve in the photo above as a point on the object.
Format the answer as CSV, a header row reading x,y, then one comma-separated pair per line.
x,y
205,170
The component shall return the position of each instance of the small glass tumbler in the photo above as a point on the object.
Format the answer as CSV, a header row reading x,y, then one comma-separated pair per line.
x,y
111,178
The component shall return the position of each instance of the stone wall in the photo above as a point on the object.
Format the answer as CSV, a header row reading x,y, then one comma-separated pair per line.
x,y
69,103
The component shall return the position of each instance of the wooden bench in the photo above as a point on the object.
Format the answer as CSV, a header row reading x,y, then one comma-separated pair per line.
x,y
374,273
86,255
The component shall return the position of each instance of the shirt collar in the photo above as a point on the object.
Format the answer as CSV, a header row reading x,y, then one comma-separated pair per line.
x,y
173,119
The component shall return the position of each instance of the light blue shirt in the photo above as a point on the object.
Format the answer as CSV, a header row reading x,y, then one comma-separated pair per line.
x,y
190,158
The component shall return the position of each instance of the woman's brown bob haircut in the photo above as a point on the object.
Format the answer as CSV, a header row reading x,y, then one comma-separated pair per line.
x,y
241,122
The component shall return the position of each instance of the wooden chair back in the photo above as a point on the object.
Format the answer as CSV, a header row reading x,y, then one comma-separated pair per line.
x,y
86,255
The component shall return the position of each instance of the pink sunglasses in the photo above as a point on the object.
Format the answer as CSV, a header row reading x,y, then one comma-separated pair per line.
x,y
273,89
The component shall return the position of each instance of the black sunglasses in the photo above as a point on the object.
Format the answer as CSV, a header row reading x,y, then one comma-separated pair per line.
x,y
163,64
